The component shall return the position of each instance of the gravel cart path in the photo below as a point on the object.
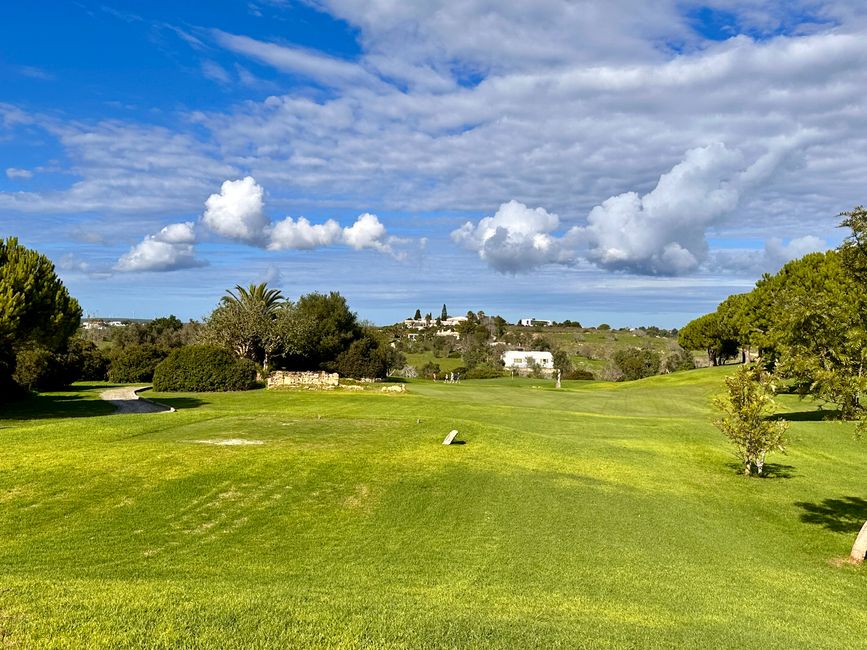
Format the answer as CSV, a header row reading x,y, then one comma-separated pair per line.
x,y
126,400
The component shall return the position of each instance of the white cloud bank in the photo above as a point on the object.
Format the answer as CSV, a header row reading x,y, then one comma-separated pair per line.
x,y
237,212
170,249
662,232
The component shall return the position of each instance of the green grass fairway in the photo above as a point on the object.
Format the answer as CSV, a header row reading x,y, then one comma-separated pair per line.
x,y
598,516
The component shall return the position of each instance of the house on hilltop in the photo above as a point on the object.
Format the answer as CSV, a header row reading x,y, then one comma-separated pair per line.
x,y
519,359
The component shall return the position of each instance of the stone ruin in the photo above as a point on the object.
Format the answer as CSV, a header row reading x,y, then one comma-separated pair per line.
x,y
315,380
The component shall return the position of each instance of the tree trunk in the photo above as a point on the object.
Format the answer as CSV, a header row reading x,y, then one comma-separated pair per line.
x,y
859,548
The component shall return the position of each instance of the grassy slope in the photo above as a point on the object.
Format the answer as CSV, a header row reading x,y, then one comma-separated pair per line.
x,y
446,364
597,516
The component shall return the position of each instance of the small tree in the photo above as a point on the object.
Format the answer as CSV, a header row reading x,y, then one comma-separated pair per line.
x,y
636,364
444,314
745,410
417,314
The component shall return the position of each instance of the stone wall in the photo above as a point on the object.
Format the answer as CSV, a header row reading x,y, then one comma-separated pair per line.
x,y
286,379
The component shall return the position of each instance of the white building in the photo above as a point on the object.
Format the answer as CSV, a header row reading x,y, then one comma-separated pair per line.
x,y
453,321
420,324
530,322
525,359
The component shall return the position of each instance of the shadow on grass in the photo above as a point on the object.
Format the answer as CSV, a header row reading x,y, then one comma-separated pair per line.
x,y
770,470
843,515
817,415
48,406
178,403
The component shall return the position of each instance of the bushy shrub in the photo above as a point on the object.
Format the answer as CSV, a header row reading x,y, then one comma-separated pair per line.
x,y
680,359
204,368
363,359
430,369
578,373
636,364
34,369
135,363
483,371
40,369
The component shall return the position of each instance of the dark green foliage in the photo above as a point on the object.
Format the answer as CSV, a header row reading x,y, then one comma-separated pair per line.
x,y
711,333
429,370
478,353
34,304
165,332
854,247
204,368
135,363
36,311
327,329
444,314
417,315
35,369
483,371
365,358
679,360
92,363
604,327
636,364
562,362
38,368
541,343
579,374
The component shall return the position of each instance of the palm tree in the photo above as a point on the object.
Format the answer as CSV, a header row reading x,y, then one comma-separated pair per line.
x,y
256,296
255,310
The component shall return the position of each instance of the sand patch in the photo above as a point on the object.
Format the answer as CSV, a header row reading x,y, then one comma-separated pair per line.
x,y
230,442
359,498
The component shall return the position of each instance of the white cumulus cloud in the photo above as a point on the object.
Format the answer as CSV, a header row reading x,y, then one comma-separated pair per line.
x,y
367,232
515,239
170,249
663,231
301,234
237,212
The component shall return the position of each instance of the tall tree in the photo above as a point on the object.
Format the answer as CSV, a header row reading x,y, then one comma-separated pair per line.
x,y
445,313
35,307
244,321
711,334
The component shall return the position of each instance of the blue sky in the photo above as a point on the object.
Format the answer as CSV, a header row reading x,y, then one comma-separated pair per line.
x,y
625,162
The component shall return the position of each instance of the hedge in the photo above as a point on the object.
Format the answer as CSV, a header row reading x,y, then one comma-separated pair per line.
x,y
202,369
135,363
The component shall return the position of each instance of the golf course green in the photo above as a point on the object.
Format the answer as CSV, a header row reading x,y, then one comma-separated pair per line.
x,y
596,516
